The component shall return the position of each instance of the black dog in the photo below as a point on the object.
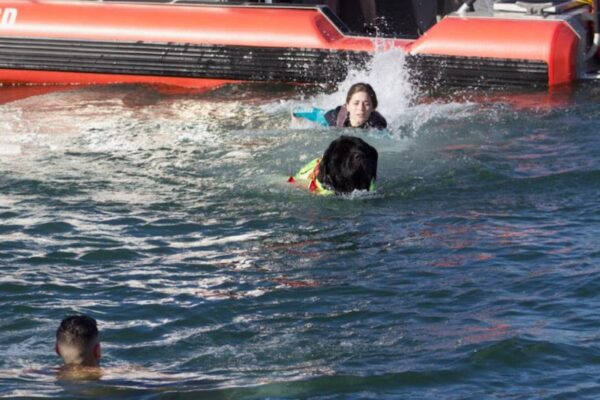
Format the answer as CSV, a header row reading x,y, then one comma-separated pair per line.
x,y
348,164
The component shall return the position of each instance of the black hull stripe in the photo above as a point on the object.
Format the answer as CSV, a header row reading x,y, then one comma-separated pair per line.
x,y
253,63
477,72
180,60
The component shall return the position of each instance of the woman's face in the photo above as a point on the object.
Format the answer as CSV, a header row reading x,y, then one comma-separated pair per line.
x,y
359,108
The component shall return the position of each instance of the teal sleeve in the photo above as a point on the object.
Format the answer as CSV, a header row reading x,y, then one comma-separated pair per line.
x,y
313,114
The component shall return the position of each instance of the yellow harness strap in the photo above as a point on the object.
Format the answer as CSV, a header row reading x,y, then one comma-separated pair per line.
x,y
308,174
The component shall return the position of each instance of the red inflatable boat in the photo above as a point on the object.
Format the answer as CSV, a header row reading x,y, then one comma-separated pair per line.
x,y
204,44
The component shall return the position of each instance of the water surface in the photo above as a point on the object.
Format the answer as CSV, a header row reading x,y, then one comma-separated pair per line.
x,y
471,273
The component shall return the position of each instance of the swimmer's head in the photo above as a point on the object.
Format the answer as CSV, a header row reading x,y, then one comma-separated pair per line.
x,y
364,88
361,100
78,341
348,164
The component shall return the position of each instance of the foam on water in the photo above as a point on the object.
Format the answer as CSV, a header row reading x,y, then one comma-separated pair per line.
x,y
400,100
107,120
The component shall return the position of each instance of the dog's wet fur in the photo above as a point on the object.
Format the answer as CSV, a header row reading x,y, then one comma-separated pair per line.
x,y
348,164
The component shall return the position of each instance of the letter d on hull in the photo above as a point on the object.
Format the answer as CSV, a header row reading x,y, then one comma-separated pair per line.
x,y
9,17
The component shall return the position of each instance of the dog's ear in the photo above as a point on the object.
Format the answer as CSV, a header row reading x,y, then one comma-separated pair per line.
x,y
327,165
325,175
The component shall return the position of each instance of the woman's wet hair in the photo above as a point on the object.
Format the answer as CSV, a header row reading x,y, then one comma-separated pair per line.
x,y
348,164
362,87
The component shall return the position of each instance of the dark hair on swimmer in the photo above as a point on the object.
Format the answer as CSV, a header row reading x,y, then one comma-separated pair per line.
x,y
77,330
348,164
362,87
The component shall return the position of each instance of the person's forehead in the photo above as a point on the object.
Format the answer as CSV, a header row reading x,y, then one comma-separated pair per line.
x,y
362,95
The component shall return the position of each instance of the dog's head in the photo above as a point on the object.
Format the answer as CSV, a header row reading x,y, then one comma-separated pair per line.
x,y
348,164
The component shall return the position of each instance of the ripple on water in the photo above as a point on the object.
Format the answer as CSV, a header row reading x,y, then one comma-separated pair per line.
x,y
111,255
49,228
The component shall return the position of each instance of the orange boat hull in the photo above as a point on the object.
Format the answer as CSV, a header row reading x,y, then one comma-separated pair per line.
x,y
207,45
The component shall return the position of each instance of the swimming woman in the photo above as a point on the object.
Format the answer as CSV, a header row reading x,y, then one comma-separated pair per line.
x,y
359,110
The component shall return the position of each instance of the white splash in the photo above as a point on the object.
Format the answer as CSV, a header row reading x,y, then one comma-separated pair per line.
x,y
406,109
389,77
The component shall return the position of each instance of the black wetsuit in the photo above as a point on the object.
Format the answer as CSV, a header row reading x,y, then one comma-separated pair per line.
x,y
340,118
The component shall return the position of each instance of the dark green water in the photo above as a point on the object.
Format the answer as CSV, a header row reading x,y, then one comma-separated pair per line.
x,y
473,272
